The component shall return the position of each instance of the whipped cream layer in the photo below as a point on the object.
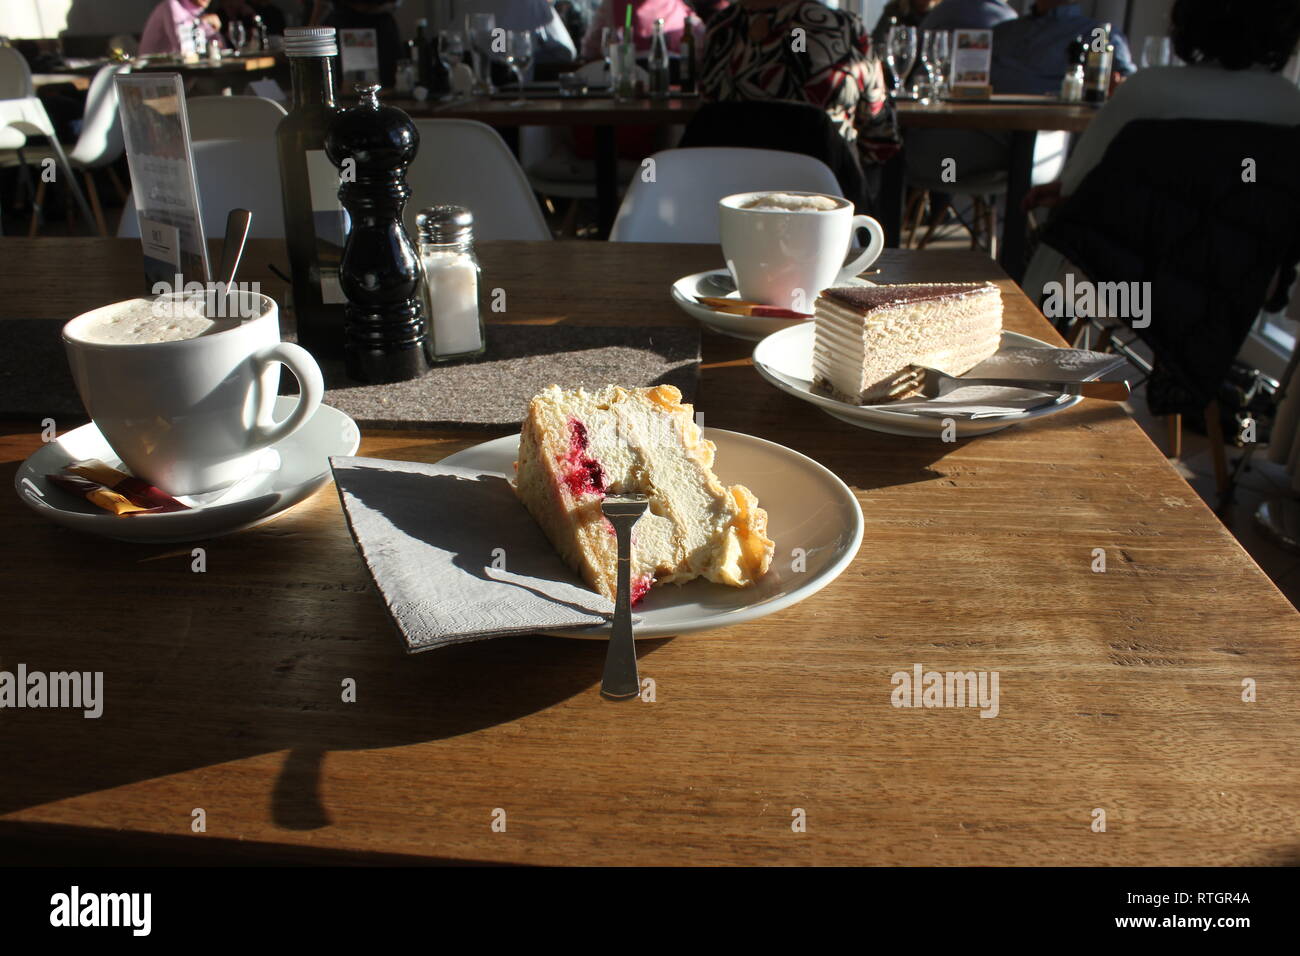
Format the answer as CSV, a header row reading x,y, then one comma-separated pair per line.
x,y
866,341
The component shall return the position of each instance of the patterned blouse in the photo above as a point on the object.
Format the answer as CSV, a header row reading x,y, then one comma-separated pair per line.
x,y
757,55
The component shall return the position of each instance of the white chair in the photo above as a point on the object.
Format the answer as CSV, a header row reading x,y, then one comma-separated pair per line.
x,y
232,174
23,112
681,203
233,117
98,147
468,163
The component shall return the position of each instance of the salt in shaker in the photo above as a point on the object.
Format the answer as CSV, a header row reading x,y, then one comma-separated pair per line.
x,y
450,288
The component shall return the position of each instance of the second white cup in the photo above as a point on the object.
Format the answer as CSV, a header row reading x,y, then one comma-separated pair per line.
x,y
785,256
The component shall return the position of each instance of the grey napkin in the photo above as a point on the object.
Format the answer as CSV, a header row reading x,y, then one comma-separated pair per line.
x,y
431,535
986,401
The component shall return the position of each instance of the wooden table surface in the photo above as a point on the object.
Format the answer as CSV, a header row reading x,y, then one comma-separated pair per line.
x,y
1119,691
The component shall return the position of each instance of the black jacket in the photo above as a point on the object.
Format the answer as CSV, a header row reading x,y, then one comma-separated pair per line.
x,y
1208,212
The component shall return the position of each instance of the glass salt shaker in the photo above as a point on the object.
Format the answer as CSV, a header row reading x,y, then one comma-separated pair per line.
x,y
451,273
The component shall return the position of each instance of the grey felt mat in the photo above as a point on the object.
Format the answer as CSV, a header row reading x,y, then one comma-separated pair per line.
x,y
489,392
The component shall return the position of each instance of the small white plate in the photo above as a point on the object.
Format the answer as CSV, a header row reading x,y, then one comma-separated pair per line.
x,y
752,329
807,508
287,473
786,360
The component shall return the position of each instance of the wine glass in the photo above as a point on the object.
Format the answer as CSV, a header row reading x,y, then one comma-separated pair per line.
x,y
900,54
937,56
453,47
1155,51
237,33
519,56
481,26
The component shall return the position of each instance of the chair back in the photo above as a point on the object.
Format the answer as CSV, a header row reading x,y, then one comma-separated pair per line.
x,y
468,163
100,142
233,117
681,203
15,74
232,174
1172,204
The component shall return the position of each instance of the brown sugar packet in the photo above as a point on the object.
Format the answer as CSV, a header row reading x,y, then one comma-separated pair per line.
x,y
114,490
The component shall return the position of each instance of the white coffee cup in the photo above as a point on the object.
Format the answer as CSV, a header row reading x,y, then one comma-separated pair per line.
x,y
784,257
189,416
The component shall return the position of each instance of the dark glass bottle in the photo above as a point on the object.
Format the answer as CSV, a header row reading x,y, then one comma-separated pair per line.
x,y
385,328
315,224
659,64
423,54
439,70
688,65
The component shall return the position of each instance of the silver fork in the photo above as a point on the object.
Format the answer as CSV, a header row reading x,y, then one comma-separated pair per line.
x,y
934,383
620,680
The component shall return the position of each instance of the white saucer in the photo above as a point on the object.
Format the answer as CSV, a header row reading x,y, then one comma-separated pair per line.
x,y
785,360
807,508
752,329
287,473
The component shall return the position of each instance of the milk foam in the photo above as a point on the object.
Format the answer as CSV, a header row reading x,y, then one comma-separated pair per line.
x,y
149,321
788,202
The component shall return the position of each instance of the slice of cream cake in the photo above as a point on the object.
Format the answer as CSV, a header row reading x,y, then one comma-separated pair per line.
x,y
867,339
577,446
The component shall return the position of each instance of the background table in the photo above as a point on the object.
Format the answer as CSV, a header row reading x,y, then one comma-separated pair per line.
x,y
1119,690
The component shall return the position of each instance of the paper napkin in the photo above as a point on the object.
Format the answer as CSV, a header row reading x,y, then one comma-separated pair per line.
x,y
456,556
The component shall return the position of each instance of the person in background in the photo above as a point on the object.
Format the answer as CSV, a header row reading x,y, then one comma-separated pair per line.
x,y
1235,52
613,13
244,11
366,15
906,13
748,55
705,10
553,42
1031,54
968,15
168,29
574,18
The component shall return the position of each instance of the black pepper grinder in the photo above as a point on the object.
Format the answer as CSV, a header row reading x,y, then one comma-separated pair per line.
x,y
384,323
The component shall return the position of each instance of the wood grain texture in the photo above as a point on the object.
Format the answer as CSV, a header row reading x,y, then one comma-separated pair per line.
x,y
1119,691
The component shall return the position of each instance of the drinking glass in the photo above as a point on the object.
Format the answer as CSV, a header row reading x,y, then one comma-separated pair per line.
x,y
519,56
1156,51
900,55
237,33
622,68
480,29
938,58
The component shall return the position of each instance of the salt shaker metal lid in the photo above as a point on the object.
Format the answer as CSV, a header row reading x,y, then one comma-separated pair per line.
x,y
445,224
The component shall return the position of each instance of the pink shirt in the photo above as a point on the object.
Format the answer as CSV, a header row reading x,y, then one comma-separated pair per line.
x,y
612,13
169,27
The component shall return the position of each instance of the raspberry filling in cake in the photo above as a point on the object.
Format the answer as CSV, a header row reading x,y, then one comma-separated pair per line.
x,y
578,446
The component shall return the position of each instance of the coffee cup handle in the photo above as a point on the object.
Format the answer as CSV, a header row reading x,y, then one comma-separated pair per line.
x,y
311,388
869,254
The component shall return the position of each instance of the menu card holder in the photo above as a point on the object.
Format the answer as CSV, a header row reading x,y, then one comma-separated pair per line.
x,y
156,131
971,62
358,58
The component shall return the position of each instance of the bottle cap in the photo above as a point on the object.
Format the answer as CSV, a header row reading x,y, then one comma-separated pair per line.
x,y
445,224
310,41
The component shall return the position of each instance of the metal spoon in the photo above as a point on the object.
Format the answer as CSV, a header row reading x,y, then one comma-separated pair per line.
x,y
935,382
620,680
232,250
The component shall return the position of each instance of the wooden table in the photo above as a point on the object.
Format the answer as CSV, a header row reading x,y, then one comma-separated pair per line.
x,y
601,113
1119,690
1024,117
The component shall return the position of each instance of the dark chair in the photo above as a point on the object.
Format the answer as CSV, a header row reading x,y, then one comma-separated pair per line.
x,y
792,127
1208,212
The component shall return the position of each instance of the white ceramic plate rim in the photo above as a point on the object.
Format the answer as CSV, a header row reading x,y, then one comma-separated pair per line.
x,y
900,422
506,448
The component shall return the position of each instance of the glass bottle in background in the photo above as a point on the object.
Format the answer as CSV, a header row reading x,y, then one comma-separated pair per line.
x,y
659,65
439,69
315,224
422,54
1101,55
451,280
688,64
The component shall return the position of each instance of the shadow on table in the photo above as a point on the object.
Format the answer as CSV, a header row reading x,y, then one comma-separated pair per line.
x,y
219,688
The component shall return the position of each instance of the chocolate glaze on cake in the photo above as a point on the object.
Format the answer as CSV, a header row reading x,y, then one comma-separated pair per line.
x,y
867,298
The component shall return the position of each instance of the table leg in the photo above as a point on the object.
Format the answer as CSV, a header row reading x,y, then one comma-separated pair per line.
x,y
606,179
1014,224
891,200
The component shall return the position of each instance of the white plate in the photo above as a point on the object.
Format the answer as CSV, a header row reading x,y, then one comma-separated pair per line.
x,y
685,289
287,473
807,507
785,359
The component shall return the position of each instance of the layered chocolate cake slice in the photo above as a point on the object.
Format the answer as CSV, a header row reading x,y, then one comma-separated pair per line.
x,y
867,339
577,446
